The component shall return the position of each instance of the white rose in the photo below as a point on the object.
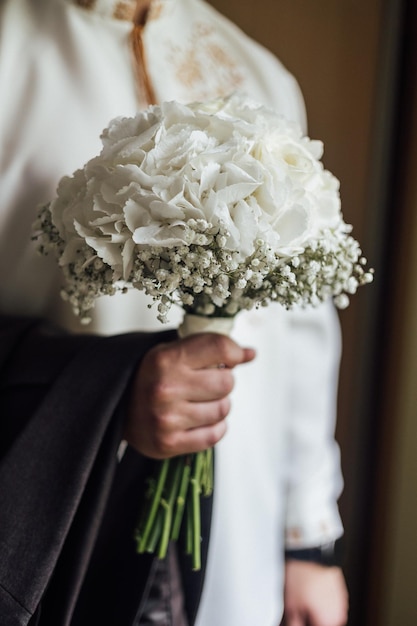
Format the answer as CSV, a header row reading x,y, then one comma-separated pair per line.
x,y
297,194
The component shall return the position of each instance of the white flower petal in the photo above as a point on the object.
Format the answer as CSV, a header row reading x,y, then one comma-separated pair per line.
x,y
292,226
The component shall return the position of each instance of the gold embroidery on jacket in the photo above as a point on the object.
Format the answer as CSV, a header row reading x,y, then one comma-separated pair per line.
x,y
124,10
204,66
155,10
86,4
121,9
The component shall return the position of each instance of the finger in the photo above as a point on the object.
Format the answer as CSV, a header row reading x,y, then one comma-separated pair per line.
x,y
208,385
202,414
188,416
294,619
168,375
248,355
208,350
198,439
190,386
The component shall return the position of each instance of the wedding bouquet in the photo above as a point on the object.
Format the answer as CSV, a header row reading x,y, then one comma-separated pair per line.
x,y
217,207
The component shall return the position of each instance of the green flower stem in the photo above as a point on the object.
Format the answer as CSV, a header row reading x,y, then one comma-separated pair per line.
x,y
179,484
181,499
189,527
207,475
156,533
143,539
196,521
168,505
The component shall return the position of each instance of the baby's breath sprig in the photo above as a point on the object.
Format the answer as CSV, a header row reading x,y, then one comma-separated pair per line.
x,y
205,278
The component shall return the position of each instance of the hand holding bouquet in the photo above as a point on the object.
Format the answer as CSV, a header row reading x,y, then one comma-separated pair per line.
x,y
217,207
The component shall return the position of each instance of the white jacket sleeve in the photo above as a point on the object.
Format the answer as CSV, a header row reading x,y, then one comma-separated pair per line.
x,y
314,474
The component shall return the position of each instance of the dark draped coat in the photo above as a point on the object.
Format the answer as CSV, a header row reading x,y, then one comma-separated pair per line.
x,y
68,508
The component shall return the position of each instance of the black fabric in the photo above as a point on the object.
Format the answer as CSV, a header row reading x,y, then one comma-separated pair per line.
x,y
61,408
329,555
193,581
164,602
117,572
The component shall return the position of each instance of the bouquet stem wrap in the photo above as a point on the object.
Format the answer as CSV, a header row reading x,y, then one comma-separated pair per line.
x,y
175,491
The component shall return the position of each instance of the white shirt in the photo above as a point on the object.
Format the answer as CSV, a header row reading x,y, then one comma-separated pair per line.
x,y
65,71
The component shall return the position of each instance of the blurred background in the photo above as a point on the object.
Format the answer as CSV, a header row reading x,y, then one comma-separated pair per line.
x,y
356,62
